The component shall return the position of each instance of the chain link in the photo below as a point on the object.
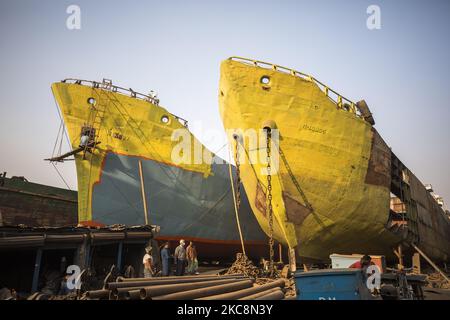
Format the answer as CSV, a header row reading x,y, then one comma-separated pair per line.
x,y
269,206
238,175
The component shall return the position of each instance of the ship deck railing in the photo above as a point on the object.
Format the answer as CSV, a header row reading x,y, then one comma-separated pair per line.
x,y
106,84
333,95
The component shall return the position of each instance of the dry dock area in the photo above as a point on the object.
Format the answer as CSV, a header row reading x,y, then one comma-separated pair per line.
x,y
108,254
109,262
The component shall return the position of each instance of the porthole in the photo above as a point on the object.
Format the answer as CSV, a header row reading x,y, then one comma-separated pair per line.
x,y
265,80
91,101
165,119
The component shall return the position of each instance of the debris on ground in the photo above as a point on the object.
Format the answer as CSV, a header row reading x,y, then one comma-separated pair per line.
x,y
243,265
436,280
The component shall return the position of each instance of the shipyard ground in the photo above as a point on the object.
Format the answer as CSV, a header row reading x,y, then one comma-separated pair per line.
x,y
34,251
437,294
36,272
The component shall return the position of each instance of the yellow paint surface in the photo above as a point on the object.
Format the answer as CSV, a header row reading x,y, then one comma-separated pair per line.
x,y
328,150
125,125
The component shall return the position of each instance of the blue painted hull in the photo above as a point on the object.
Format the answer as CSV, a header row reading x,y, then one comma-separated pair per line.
x,y
183,203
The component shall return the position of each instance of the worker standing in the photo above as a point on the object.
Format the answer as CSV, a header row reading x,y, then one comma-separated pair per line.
x,y
363,263
191,254
84,140
165,260
147,261
180,258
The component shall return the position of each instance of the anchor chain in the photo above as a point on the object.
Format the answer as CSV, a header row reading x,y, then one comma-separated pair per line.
x,y
238,175
269,206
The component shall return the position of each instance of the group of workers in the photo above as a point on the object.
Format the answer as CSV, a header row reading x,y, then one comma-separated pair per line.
x,y
187,257
183,257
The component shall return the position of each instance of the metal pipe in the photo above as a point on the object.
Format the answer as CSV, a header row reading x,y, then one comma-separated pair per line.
x,y
276,295
65,238
245,292
133,295
159,290
122,279
259,294
153,281
139,234
97,294
22,241
203,292
100,236
122,291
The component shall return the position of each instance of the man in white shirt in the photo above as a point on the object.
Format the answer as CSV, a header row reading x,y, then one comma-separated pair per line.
x,y
147,261
84,140
180,258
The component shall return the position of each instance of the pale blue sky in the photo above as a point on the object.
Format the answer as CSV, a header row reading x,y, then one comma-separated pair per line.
x,y
175,48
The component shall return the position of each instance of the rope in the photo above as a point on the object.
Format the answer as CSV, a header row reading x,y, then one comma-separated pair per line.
x,y
57,138
220,149
294,179
61,132
60,175
236,210
61,141
62,121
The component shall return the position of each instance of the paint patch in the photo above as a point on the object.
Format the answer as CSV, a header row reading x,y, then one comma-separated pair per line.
x,y
260,200
295,211
379,169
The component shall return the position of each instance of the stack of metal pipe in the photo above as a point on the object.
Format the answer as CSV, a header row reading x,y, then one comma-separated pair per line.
x,y
202,287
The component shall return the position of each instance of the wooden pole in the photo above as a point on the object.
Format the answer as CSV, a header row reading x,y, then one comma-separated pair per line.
x,y
280,251
400,256
144,200
416,263
431,262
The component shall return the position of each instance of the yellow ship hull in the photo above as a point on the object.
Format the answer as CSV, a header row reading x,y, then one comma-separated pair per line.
x,y
331,191
143,151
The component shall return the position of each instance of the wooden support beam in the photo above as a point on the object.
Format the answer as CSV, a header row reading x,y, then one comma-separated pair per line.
x,y
431,262
144,200
280,251
416,263
398,253
71,153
